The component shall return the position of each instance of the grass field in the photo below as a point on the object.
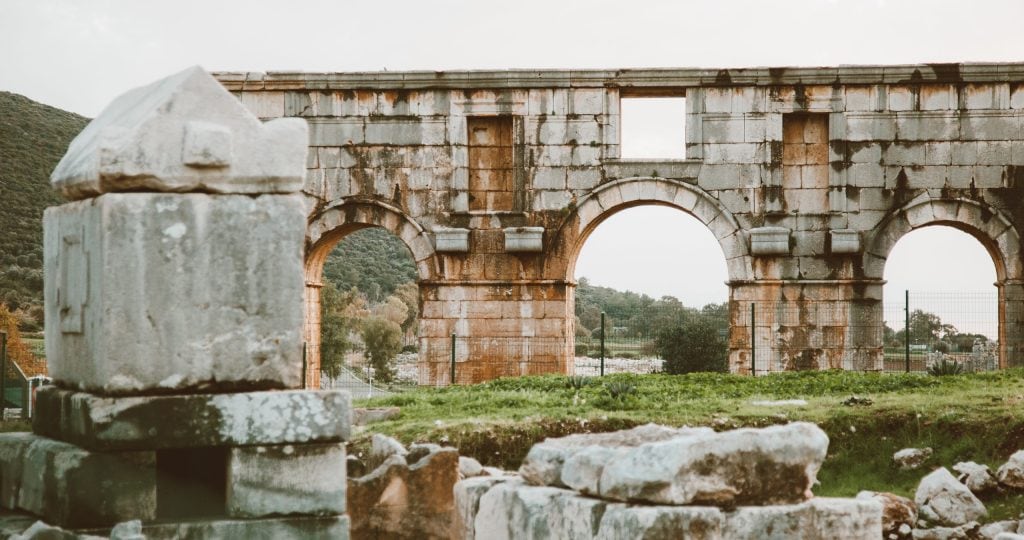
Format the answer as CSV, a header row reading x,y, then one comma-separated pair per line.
x,y
977,417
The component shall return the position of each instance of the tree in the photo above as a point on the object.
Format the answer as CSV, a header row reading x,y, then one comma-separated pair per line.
x,y
694,346
334,329
410,294
383,341
926,328
17,350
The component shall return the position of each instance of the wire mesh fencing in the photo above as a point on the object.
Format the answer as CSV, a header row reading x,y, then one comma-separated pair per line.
x,y
915,332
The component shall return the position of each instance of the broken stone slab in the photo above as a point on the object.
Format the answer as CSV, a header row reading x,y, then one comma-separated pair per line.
x,y
942,500
72,487
899,514
773,465
967,531
990,530
513,509
183,133
381,448
467,503
220,311
1009,536
277,528
192,420
1011,473
910,459
407,496
543,463
306,479
469,467
977,477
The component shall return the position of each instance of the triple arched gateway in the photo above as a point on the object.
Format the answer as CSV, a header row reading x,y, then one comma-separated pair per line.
x,y
806,176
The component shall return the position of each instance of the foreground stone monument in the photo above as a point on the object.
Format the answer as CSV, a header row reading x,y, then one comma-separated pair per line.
x,y
807,177
173,286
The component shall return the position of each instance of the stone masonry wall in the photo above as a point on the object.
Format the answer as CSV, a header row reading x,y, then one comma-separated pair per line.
x,y
807,176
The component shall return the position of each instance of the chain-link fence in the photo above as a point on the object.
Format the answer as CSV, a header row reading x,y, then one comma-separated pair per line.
x,y
915,332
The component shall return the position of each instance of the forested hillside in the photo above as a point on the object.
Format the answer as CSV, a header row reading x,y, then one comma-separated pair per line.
x,y
33,137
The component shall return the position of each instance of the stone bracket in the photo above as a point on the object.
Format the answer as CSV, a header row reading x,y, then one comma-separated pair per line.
x,y
451,240
844,241
769,241
524,239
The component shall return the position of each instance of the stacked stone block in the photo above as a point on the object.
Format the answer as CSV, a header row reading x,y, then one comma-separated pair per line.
x,y
174,331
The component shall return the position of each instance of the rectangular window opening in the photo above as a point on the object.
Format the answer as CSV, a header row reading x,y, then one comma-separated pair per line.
x,y
491,178
653,127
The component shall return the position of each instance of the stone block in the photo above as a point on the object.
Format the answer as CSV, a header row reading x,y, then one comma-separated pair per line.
x,y
218,310
769,241
183,133
306,479
524,239
451,240
844,241
511,510
196,420
654,522
276,528
819,518
467,503
72,487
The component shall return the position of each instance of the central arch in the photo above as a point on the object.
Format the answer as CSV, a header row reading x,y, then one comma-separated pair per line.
x,y
613,197
325,229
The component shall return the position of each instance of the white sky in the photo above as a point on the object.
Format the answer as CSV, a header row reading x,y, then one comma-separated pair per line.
x,y
79,54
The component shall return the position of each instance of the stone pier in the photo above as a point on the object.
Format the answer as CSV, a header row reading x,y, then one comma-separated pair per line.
x,y
174,330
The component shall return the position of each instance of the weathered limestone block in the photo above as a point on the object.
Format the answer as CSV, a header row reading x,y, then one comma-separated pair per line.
x,y
942,500
469,467
655,522
467,503
451,240
844,241
1011,473
381,448
513,510
773,465
967,531
188,421
278,528
306,479
183,133
897,512
72,487
215,309
406,499
909,459
819,518
524,239
769,241
977,477
543,464
991,530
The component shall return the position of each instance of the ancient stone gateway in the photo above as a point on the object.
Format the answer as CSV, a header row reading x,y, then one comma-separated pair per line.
x,y
806,176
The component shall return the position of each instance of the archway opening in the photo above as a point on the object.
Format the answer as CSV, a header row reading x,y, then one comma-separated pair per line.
x,y
941,302
659,276
369,306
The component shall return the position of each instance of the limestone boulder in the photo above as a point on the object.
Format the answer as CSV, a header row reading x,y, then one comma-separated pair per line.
x,y
899,514
543,464
977,477
967,531
362,416
1011,473
991,530
513,510
467,503
381,448
1009,536
773,465
469,467
944,501
909,459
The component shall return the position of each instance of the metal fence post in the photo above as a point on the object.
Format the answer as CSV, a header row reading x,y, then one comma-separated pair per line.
x,y
451,376
3,373
906,328
602,344
753,342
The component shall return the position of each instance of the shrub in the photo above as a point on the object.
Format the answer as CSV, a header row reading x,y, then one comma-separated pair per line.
x,y
945,367
941,347
694,346
620,389
576,382
581,349
410,349
383,340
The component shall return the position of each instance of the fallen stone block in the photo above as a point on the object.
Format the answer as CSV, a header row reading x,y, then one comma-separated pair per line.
x,y
942,500
469,467
898,513
967,531
990,530
773,465
189,421
362,416
467,503
72,487
977,477
1011,473
281,528
656,522
543,464
513,510
306,479
909,459
217,313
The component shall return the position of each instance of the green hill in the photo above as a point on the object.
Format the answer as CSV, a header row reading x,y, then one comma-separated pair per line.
x,y
33,137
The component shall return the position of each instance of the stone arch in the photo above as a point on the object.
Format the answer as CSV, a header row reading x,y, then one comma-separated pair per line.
x,y
608,199
991,228
985,223
325,229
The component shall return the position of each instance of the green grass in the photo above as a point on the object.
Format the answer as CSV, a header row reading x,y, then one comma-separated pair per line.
x,y
977,417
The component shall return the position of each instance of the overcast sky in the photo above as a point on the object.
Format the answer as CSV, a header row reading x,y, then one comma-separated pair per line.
x,y
80,54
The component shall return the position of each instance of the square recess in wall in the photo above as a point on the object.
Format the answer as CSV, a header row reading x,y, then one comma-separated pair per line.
x,y
653,127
